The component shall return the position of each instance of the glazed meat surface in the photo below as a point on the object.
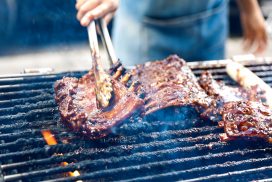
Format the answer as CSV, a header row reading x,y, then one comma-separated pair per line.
x,y
246,119
78,109
168,88
239,111
224,93
221,94
169,84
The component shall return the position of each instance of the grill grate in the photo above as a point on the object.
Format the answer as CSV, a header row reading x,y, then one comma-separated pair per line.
x,y
140,151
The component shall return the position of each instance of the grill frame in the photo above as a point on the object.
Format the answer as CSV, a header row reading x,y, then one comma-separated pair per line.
x,y
167,142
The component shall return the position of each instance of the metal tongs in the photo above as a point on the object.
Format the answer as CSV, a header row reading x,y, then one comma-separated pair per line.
x,y
104,87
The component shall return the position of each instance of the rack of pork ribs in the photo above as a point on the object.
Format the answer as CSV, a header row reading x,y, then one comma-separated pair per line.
x,y
239,111
78,106
158,90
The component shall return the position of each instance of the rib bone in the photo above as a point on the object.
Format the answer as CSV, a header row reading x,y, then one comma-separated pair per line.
x,y
118,73
134,86
125,78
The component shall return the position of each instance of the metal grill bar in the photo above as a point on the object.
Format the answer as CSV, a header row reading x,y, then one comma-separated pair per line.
x,y
266,169
100,163
68,156
21,108
119,148
222,176
28,115
25,125
7,96
144,167
177,174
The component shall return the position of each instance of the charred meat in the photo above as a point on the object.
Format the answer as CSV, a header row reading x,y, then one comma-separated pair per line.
x,y
170,85
221,94
239,111
79,111
246,119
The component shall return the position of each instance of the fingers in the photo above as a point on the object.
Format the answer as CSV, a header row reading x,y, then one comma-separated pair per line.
x,y
86,19
89,10
261,44
256,42
85,6
248,42
79,3
108,17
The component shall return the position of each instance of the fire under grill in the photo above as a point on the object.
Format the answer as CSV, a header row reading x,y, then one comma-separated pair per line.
x,y
139,151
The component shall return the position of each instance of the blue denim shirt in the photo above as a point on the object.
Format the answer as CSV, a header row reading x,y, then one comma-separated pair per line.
x,y
146,30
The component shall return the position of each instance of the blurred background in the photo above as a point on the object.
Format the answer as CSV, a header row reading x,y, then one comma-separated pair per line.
x,y
40,33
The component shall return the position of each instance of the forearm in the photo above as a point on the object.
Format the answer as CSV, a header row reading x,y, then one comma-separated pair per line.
x,y
248,6
253,24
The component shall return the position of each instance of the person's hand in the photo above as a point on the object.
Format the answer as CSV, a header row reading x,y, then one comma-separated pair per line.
x,y
89,10
254,31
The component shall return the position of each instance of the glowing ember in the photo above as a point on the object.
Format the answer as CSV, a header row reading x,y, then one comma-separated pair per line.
x,y
75,173
51,140
49,137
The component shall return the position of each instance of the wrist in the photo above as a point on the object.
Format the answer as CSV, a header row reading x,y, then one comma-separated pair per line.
x,y
248,7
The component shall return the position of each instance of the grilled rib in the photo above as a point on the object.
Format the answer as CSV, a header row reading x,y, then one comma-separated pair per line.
x,y
219,91
239,111
170,87
221,94
246,119
78,110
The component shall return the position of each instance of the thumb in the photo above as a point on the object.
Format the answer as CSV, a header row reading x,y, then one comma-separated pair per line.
x,y
108,18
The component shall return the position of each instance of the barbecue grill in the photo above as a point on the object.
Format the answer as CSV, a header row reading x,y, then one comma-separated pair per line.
x,y
137,151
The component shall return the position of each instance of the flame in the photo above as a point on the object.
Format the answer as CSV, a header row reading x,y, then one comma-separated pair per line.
x,y
51,140
75,173
49,137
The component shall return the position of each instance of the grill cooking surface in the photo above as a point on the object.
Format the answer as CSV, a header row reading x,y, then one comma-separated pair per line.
x,y
142,151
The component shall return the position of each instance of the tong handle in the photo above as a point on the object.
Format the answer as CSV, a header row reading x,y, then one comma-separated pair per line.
x,y
103,84
93,42
93,38
105,36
